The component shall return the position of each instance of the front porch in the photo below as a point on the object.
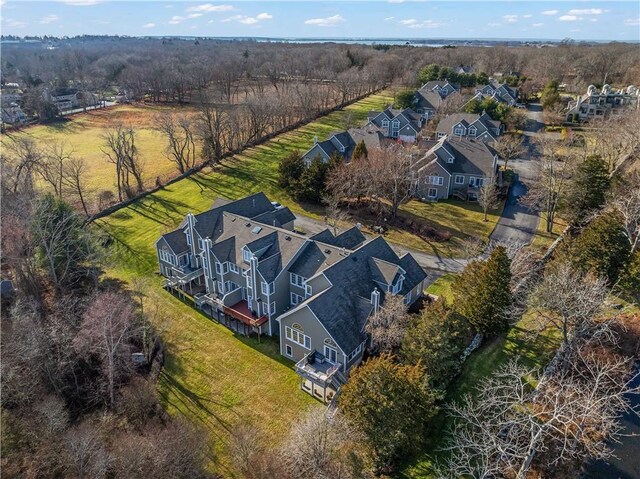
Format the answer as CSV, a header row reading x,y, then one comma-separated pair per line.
x,y
319,377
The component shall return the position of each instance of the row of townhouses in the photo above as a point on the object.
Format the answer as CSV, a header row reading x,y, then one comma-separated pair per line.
x,y
502,93
601,104
470,125
245,267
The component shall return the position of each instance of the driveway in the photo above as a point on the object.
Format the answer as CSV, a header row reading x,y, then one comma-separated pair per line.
x,y
517,224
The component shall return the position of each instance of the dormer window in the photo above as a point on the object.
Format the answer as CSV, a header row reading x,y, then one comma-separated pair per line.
x,y
201,244
385,122
246,255
188,235
472,131
458,130
398,286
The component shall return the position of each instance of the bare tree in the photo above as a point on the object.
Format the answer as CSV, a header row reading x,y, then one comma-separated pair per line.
x,y
212,128
181,146
566,299
52,167
488,197
21,159
325,447
553,171
509,147
75,175
568,418
389,171
86,452
388,325
121,150
626,202
106,329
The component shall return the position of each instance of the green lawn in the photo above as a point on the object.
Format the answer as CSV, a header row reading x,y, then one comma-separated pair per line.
x,y
522,342
441,287
542,240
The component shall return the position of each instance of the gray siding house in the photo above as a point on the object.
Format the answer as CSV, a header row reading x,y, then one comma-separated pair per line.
x,y
403,125
469,125
455,168
601,104
343,143
243,265
430,96
501,93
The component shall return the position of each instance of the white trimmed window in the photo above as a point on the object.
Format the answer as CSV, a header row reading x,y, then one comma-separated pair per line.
x,y
473,131
385,123
297,280
296,335
436,180
459,180
246,255
233,267
354,353
268,288
288,350
220,287
201,244
407,298
167,257
296,299
222,268
398,286
230,286
458,131
432,193
308,291
188,238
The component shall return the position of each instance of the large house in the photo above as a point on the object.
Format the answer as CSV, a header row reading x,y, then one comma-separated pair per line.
x,y
601,104
244,266
454,168
502,93
430,96
469,125
69,98
403,125
343,143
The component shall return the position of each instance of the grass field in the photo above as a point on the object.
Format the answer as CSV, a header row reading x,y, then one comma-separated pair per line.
x,y
542,240
83,134
441,287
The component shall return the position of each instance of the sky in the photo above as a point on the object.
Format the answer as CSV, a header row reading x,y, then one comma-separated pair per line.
x,y
515,19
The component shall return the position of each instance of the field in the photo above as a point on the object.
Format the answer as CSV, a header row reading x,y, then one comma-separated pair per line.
x,y
83,132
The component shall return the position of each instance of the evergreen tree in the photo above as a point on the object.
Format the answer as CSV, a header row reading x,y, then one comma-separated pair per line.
x,y
390,404
312,186
290,170
435,340
630,279
588,188
482,294
429,73
360,151
601,248
404,98
550,96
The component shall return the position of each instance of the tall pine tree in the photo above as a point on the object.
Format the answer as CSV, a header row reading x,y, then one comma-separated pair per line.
x,y
482,294
588,188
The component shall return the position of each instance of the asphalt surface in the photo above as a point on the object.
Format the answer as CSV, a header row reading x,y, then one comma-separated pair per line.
x,y
625,462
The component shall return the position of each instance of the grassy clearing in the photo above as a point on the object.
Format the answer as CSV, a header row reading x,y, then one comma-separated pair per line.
x,y
441,287
542,240
463,220
83,134
523,342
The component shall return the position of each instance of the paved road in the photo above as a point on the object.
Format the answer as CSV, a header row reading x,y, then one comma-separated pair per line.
x,y
517,223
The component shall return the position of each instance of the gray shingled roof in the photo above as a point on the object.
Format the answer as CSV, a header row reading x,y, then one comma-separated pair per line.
x,y
177,241
471,157
343,308
349,239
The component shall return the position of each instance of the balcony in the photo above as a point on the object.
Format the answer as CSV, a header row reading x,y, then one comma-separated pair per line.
x,y
185,273
242,313
315,367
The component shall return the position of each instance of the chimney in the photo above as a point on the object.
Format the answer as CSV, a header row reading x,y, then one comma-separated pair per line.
x,y
315,140
375,300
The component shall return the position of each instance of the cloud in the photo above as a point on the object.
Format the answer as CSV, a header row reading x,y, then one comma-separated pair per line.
x,y
209,7
537,25
49,19
176,19
593,19
550,12
245,20
493,24
510,18
413,23
527,16
388,19
149,25
587,11
10,22
326,22
396,1
633,22
80,3
568,18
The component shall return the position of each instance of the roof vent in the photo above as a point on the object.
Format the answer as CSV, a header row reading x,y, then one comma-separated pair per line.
x,y
288,238
247,224
327,251
233,219
256,230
